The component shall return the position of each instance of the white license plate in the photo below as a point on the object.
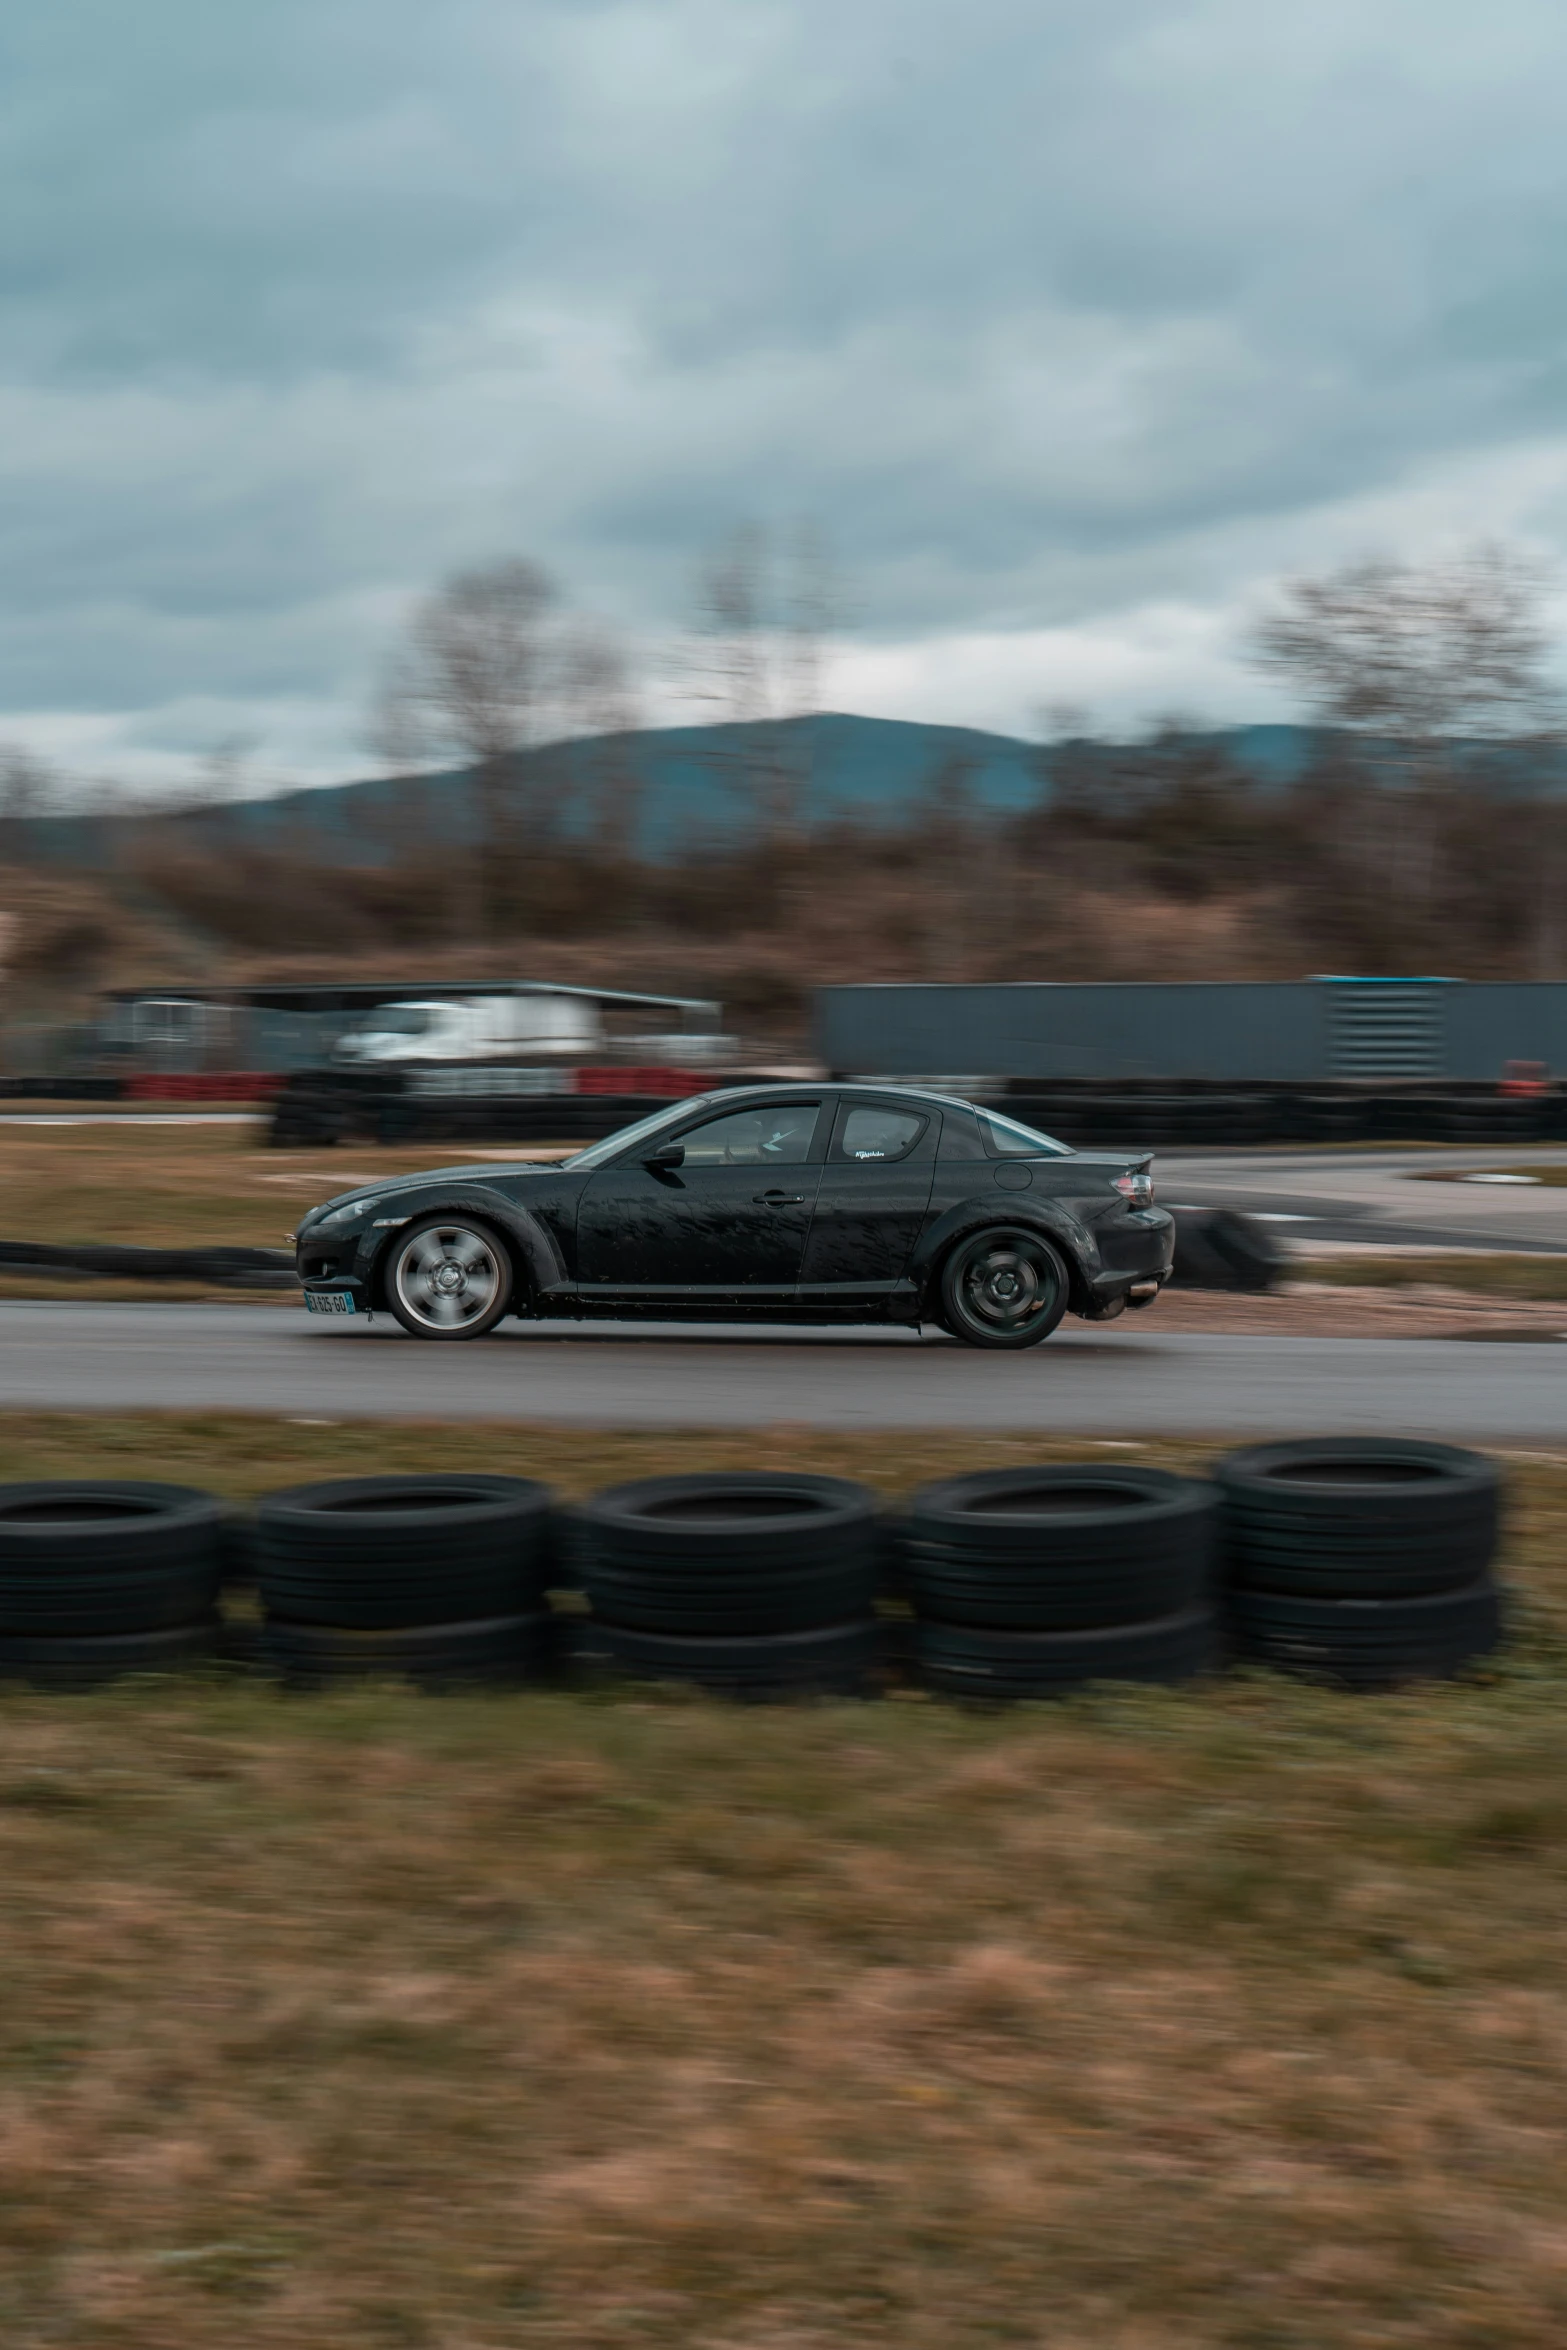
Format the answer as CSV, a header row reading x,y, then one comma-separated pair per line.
x,y
328,1301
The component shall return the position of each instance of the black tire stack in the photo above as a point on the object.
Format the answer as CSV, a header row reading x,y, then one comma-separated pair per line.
x,y
433,1579
100,1577
1028,1582
1363,1561
1219,1248
750,1585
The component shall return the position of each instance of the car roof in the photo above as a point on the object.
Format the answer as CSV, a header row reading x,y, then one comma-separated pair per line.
x,y
787,1085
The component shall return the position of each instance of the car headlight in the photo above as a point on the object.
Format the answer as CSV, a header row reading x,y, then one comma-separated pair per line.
x,y
343,1215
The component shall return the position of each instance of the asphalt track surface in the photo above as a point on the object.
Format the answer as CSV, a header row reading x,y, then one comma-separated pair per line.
x,y
1126,1380
1123,1381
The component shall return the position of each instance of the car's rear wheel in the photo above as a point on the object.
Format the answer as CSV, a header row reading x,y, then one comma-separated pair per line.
x,y
449,1278
1004,1287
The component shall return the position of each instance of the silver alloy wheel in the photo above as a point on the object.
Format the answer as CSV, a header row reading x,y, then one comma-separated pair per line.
x,y
447,1277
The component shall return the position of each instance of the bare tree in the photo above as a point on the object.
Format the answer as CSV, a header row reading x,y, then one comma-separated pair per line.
x,y
765,613
1423,662
1418,654
29,791
599,716
474,681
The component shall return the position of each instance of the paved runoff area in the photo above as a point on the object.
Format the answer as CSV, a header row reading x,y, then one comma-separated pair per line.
x,y
1329,1200
1128,1379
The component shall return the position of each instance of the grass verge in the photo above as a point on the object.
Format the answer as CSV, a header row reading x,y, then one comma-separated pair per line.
x,y
1217,2020
1487,1276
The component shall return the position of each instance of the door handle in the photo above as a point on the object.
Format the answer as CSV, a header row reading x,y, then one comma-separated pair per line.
x,y
778,1199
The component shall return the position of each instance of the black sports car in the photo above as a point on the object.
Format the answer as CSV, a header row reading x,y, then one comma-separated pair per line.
x,y
798,1203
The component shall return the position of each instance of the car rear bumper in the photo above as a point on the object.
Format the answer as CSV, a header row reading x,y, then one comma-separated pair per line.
x,y
1136,1261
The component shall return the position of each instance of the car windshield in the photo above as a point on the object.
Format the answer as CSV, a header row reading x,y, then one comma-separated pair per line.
x,y
1009,1140
597,1153
397,1020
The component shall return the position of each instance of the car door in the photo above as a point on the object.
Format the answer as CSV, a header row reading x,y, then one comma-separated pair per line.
x,y
871,1203
729,1221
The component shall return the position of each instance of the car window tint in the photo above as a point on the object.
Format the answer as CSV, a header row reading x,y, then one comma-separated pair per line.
x,y
879,1134
1006,1139
779,1136
598,1154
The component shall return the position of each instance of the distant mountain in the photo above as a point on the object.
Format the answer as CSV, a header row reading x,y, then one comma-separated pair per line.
x,y
686,784
690,782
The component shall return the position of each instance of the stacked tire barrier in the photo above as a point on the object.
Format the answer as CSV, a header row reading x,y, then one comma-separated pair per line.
x,y
222,1267
436,1579
1363,1561
1357,1561
1025,1582
101,1577
1220,1248
1090,1115
749,1585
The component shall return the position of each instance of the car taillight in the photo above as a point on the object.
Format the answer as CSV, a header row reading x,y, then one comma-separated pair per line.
x,y
1137,1187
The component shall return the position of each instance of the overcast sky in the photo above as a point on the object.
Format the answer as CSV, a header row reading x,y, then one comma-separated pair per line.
x,y
1072,327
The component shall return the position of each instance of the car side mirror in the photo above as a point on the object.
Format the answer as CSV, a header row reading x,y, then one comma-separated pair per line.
x,y
668,1154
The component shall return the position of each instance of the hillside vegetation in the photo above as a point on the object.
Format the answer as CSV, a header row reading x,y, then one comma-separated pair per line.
x,y
1166,860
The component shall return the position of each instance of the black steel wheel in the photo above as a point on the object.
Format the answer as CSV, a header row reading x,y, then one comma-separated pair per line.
x,y
449,1277
1003,1287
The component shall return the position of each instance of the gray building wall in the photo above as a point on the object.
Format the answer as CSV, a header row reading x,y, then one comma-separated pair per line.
x,y
1227,1031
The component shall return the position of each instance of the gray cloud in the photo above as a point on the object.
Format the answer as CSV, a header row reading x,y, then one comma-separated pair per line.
x,y
1050,315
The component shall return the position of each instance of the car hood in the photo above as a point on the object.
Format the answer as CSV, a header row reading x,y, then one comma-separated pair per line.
x,y
392,1186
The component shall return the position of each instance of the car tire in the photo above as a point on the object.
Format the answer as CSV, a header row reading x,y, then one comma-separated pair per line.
x,y
86,1661
1368,1643
1004,1287
1061,1549
380,1553
830,1660
1358,1517
80,1557
972,1660
449,1277
742,1555
499,1649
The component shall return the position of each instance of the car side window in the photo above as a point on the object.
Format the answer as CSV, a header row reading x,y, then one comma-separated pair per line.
x,y
876,1137
778,1136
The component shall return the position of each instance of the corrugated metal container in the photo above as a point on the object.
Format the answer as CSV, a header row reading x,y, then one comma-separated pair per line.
x,y
1231,1032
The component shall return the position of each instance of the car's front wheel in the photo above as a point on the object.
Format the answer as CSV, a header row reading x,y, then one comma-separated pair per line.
x,y
448,1278
1005,1287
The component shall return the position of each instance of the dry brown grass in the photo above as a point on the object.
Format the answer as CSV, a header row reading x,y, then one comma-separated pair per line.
x,y
1223,2020
1489,1276
165,1185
